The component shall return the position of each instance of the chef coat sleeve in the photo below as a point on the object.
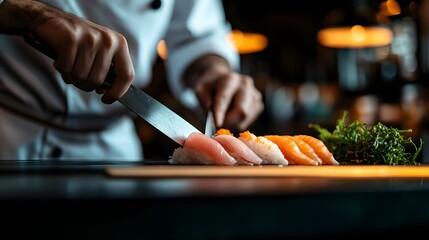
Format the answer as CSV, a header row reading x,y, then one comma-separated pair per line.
x,y
197,28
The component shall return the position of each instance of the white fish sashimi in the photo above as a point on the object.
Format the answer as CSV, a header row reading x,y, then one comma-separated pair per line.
x,y
268,151
238,150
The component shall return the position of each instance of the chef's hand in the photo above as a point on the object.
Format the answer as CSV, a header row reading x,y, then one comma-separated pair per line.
x,y
84,49
233,97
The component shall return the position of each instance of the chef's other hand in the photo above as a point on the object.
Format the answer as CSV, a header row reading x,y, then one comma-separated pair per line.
x,y
85,51
233,97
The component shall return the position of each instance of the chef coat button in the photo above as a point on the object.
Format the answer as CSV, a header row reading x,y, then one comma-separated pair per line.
x,y
155,4
56,152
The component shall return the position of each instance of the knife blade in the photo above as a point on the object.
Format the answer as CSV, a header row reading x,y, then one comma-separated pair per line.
x,y
154,112
157,114
210,127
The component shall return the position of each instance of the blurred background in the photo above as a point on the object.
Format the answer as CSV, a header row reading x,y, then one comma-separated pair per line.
x,y
313,60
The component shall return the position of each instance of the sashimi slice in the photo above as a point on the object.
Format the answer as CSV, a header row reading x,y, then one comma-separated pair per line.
x,y
201,149
320,149
236,148
268,151
307,150
290,150
276,139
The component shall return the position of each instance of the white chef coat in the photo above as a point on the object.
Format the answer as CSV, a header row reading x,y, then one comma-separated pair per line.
x,y
86,128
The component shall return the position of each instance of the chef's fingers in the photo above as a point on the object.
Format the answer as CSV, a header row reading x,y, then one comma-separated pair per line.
x,y
102,62
68,79
66,55
98,72
124,71
204,95
77,43
246,106
84,62
226,87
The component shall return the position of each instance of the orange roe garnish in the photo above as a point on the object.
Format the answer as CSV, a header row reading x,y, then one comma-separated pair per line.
x,y
258,140
246,135
223,131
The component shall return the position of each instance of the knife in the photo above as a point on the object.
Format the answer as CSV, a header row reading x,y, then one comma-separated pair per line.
x,y
210,127
138,101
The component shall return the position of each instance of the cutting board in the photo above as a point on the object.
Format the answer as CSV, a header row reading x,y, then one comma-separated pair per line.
x,y
328,171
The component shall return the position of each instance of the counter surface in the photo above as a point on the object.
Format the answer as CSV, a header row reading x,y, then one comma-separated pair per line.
x,y
78,200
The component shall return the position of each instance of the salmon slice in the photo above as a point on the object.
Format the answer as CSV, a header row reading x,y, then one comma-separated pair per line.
x,y
307,150
268,151
236,148
201,149
320,149
290,149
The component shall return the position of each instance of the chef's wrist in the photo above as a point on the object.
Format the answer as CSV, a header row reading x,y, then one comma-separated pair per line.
x,y
22,16
202,65
14,16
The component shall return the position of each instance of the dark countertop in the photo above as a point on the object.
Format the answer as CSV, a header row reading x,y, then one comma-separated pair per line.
x,y
78,200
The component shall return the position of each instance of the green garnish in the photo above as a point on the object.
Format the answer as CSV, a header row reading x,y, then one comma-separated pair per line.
x,y
358,143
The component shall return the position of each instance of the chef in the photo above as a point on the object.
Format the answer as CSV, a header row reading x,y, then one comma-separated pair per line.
x,y
58,109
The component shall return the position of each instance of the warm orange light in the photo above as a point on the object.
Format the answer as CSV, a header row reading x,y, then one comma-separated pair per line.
x,y
162,49
390,8
355,37
242,42
358,33
247,42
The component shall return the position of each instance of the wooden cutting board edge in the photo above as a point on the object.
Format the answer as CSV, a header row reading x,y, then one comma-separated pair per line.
x,y
328,171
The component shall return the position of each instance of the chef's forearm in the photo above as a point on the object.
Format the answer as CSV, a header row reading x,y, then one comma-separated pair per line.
x,y
20,16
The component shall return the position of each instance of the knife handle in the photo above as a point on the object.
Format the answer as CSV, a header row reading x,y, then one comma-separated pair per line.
x,y
42,47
